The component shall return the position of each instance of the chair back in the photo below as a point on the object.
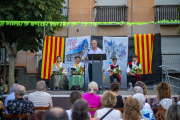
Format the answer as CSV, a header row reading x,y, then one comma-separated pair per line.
x,y
26,116
120,109
42,108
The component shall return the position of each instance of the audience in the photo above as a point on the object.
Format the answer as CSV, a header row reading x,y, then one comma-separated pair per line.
x,y
164,105
80,110
145,113
1,110
115,87
11,96
38,115
56,114
144,87
173,112
163,91
3,87
19,105
40,98
92,99
132,109
75,95
108,100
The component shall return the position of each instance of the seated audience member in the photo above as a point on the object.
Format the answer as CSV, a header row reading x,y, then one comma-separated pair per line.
x,y
75,95
11,96
164,105
144,87
132,109
19,105
56,114
108,100
40,98
1,110
145,113
163,91
80,110
3,87
92,99
172,112
38,116
115,87
138,89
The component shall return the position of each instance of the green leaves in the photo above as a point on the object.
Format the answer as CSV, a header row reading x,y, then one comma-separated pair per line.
x,y
10,17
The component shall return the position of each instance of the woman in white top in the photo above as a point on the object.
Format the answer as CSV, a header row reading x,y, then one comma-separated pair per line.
x,y
57,65
75,95
108,100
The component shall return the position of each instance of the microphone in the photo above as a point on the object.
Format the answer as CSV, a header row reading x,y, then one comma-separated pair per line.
x,y
89,48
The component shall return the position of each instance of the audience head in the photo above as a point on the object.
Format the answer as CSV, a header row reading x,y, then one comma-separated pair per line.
x,y
94,44
20,91
92,87
143,86
41,86
132,109
172,112
80,110
134,58
75,95
2,82
114,60
14,87
78,59
108,99
38,116
137,89
58,58
140,97
163,90
56,114
115,86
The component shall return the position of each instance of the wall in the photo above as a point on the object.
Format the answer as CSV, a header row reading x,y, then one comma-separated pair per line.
x,y
166,2
110,2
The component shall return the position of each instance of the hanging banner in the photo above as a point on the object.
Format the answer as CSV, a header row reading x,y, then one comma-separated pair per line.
x,y
76,47
116,47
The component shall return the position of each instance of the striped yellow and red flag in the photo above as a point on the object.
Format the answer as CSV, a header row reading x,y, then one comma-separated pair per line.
x,y
53,47
143,44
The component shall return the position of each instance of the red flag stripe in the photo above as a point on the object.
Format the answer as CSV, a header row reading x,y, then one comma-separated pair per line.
x,y
55,52
60,46
147,42
143,59
138,48
45,63
50,56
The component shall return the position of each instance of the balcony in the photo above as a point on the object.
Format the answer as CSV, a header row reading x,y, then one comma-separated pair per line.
x,y
167,12
110,13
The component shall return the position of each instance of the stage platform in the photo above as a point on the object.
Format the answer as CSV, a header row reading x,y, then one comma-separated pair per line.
x,y
61,98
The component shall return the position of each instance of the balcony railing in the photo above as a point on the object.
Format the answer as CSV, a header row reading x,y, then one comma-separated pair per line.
x,y
110,13
167,12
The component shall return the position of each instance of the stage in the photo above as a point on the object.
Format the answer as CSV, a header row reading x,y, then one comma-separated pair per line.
x,y
61,98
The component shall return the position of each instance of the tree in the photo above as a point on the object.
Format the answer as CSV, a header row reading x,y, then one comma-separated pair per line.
x,y
14,38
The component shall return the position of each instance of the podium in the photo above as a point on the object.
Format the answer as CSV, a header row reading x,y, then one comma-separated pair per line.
x,y
97,63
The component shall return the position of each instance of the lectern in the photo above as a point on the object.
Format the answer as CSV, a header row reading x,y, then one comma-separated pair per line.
x,y
97,63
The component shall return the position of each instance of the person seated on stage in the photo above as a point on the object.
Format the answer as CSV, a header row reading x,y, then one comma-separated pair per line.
x,y
110,69
3,87
144,87
115,87
40,98
92,99
75,65
133,75
57,65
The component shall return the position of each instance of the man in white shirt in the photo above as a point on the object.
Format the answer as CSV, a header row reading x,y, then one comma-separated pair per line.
x,y
40,98
11,96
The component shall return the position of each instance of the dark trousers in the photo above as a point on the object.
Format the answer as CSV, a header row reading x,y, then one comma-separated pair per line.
x,y
133,81
112,78
90,72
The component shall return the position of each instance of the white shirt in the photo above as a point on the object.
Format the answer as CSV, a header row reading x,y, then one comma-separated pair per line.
x,y
178,102
55,67
41,99
147,106
133,63
113,115
9,97
113,65
73,65
69,113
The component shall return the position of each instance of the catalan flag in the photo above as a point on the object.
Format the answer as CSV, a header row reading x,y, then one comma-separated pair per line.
x,y
143,44
53,47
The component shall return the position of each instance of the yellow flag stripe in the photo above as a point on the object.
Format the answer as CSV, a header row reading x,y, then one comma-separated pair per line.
x,y
140,52
43,59
58,43
53,49
135,43
48,54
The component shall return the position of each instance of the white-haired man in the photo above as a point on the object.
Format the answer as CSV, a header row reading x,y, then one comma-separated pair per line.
x,y
40,98
11,96
19,105
146,111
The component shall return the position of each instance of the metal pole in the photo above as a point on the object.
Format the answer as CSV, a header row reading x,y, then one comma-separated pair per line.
x,y
90,16
5,67
131,17
68,21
